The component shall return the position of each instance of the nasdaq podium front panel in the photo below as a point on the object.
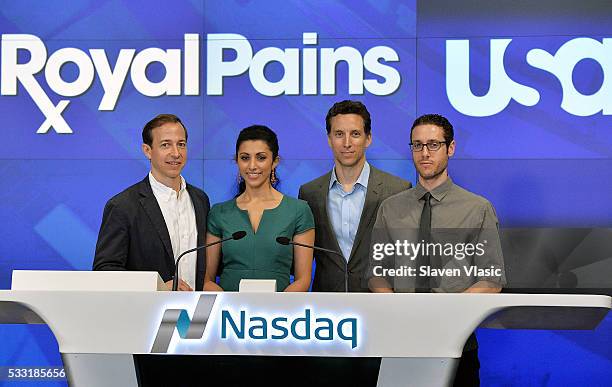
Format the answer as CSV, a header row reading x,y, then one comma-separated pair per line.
x,y
418,336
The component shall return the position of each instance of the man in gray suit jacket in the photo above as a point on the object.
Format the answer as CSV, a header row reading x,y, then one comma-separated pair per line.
x,y
345,200
149,224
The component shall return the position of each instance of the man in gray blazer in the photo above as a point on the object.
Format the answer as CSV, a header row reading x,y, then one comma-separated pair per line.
x,y
141,228
345,200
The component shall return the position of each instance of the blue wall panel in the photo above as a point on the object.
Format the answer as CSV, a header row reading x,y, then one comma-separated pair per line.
x,y
540,164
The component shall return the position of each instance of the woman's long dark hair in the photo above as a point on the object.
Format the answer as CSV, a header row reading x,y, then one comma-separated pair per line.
x,y
254,133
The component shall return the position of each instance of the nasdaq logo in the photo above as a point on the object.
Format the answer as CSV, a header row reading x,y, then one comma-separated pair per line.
x,y
244,325
248,327
502,89
187,328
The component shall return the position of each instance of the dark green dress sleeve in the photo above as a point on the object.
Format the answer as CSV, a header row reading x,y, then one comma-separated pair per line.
x,y
304,218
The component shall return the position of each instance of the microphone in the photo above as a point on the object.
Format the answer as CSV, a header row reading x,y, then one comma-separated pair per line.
x,y
235,236
286,241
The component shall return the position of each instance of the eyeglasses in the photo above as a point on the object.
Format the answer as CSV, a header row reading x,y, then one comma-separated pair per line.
x,y
432,146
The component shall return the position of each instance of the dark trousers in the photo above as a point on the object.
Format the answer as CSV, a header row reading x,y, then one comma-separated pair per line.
x,y
239,371
468,370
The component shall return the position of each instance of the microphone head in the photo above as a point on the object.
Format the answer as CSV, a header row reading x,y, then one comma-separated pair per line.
x,y
238,235
283,240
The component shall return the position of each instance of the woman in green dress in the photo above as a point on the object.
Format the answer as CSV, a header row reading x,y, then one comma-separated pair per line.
x,y
265,214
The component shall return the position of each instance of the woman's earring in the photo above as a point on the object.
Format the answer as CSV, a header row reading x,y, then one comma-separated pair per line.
x,y
273,177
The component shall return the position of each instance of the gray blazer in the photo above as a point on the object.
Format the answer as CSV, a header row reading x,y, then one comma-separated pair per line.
x,y
134,236
333,273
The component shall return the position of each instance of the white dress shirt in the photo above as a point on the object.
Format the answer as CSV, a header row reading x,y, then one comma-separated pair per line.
x,y
179,215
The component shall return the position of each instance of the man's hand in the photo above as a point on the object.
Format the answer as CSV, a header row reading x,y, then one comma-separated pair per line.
x,y
379,285
484,287
182,286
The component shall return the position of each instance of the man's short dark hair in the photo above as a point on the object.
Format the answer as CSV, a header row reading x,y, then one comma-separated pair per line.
x,y
349,107
147,136
437,120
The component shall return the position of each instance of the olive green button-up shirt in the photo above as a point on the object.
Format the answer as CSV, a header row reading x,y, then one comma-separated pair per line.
x,y
464,245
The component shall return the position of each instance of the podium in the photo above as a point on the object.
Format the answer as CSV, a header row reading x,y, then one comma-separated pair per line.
x,y
418,336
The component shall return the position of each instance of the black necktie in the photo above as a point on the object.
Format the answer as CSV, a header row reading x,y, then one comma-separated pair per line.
x,y
422,282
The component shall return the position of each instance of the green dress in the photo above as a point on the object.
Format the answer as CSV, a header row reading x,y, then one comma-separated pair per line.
x,y
258,255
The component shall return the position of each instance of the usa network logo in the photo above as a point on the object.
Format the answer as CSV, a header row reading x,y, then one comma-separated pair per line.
x,y
247,327
503,89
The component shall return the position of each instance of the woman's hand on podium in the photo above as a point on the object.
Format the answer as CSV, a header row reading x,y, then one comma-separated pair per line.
x,y
182,286
211,286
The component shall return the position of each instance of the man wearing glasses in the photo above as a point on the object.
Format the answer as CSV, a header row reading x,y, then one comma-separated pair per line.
x,y
440,213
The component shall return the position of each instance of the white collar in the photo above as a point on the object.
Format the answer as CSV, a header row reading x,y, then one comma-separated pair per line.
x,y
164,191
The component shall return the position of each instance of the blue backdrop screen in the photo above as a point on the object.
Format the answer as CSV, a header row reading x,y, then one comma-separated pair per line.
x,y
527,85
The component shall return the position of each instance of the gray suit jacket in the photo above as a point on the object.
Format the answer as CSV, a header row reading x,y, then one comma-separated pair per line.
x,y
134,236
333,273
